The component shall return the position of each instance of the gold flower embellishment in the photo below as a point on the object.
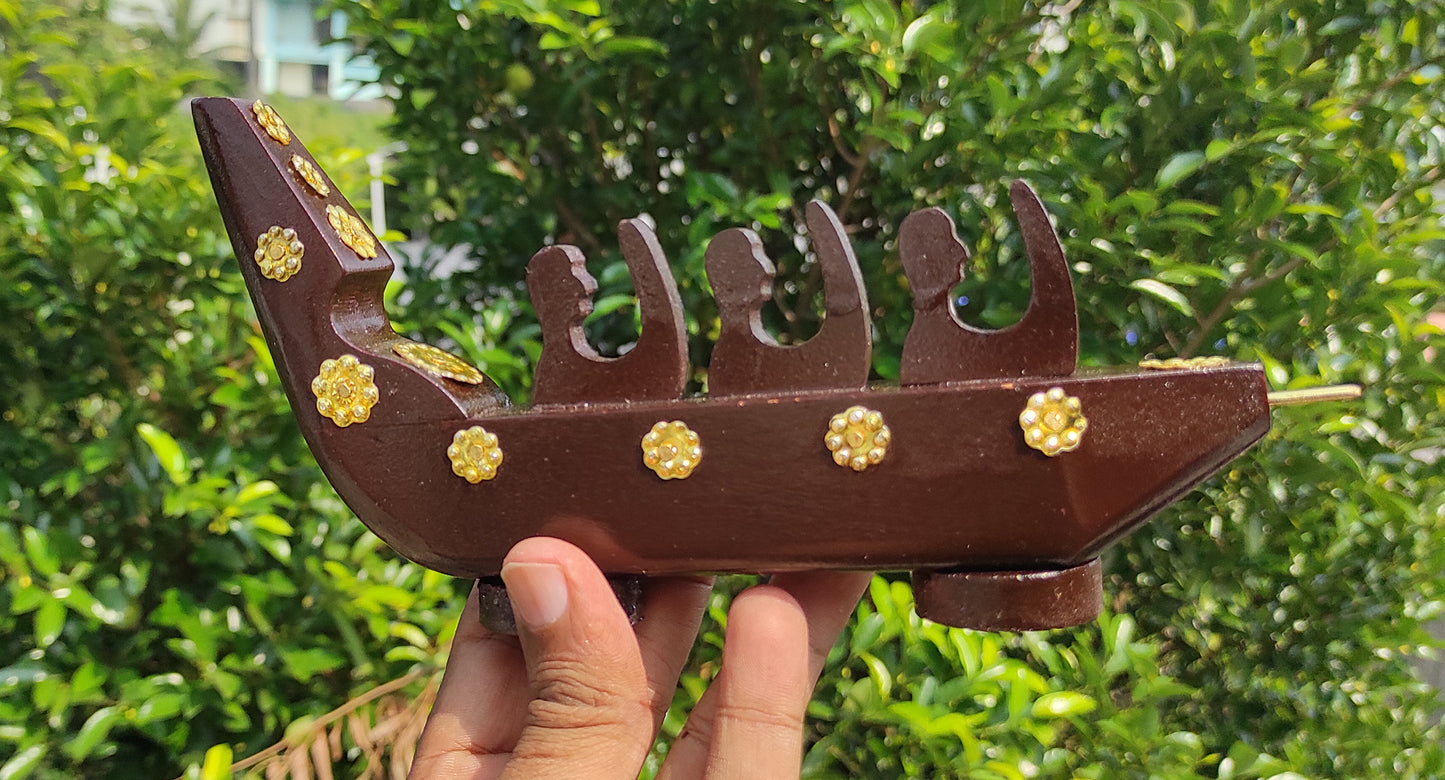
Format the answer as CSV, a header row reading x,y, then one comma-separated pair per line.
x,y
270,121
279,253
309,174
671,450
1053,422
352,231
474,454
857,438
345,390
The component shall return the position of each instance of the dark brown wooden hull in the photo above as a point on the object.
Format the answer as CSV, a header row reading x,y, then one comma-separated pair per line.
x,y
958,488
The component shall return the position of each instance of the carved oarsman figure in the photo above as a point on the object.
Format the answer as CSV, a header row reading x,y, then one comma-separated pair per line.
x,y
941,348
570,370
747,359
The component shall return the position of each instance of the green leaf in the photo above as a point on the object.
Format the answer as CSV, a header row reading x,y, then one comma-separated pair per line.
x,y
303,664
880,675
402,44
217,765
160,707
1062,704
631,44
23,763
256,490
928,34
705,187
1341,24
28,598
1178,167
1005,770
585,7
38,552
411,634
23,673
41,129
272,524
1164,293
95,729
167,452
49,621
866,635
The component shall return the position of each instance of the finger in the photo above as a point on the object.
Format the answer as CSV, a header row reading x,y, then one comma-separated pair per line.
x,y
763,689
591,712
480,706
827,599
671,612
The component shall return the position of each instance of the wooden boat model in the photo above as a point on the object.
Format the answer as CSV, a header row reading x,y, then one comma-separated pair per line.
x,y
995,471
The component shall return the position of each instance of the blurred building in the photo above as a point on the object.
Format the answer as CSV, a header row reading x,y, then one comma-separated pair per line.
x,y
284,47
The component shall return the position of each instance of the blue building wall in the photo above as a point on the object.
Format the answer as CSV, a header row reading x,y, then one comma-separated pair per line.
x,y
293,56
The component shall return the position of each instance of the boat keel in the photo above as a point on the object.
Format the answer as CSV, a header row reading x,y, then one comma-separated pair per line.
x,y
981,600
494,609
1011,600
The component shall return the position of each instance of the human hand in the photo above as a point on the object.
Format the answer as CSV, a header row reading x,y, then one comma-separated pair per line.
x,y
581,693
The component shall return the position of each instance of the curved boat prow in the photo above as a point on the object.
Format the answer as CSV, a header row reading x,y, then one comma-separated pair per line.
x,y
316,276
990,481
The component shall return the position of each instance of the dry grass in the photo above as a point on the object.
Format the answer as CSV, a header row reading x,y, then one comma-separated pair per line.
x,y
371,737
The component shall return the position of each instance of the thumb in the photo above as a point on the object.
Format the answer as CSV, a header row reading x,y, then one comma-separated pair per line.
x,y
591,715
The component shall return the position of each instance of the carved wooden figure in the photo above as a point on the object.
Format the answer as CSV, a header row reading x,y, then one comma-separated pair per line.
x,y
941,348
570,370
747,359
996,472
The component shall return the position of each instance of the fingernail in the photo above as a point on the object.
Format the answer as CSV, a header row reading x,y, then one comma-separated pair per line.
x,y
538,592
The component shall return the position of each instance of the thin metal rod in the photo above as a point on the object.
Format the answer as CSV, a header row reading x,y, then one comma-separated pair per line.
x,y
1311,395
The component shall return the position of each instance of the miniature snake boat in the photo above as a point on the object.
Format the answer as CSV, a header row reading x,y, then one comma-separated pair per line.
x,y
996,471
